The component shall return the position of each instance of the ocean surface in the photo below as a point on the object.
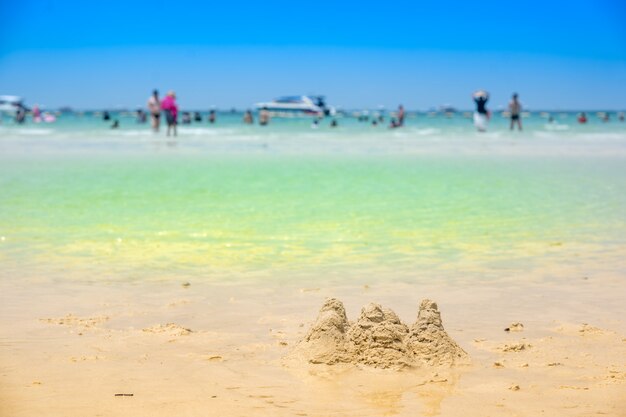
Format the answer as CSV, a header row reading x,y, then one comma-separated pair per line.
x,y
432,200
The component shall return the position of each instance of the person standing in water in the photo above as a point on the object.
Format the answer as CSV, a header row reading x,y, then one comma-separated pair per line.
x,y
212,116
264,117
248,118
154,107
20,114
169,106
141,116
400,116
516,109
36,113
481,116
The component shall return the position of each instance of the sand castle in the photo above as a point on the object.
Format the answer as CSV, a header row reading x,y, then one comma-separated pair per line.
x,y
379,338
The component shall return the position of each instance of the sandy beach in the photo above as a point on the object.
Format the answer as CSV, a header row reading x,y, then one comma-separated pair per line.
x,y
329,209
139,279
201,348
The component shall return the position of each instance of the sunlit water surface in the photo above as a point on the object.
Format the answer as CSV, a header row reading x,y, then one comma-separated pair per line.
x,y
434,199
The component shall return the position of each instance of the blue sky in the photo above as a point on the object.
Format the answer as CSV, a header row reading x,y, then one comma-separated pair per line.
x,y
557,55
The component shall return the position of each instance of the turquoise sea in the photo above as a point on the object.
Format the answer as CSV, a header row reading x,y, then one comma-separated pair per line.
x,y
434,199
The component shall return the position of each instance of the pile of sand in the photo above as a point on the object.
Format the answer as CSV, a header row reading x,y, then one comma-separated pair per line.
x,y
378,338
428,340
326,340
171,329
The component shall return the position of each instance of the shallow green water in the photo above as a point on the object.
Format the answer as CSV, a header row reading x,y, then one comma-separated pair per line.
x,y
435,199
248,212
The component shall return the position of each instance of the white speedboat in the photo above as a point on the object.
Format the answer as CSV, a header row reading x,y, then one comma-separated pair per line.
x,y
297,106
10,104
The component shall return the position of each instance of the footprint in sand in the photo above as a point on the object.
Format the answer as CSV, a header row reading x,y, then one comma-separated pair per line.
x,y
213,358
178,303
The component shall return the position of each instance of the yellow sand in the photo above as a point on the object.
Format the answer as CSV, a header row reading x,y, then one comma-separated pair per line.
x,y
217,350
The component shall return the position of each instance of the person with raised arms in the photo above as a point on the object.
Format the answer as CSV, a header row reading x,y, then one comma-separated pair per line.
x,y
481,116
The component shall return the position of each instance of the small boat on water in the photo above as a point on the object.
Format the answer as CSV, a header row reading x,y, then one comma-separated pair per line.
x,y
11,104
297,106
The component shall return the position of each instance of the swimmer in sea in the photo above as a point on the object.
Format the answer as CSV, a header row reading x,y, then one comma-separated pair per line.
x,y
212,116
516,109
582,119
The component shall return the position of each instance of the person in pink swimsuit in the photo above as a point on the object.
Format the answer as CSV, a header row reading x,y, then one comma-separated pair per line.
x,y
170,108
36,113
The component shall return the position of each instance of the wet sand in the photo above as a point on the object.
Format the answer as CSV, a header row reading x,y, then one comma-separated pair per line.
x,y
71,349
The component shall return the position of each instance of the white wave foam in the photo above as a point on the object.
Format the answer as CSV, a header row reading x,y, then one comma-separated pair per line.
x,y
429,131
36,132
557,127
203,131
144,133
